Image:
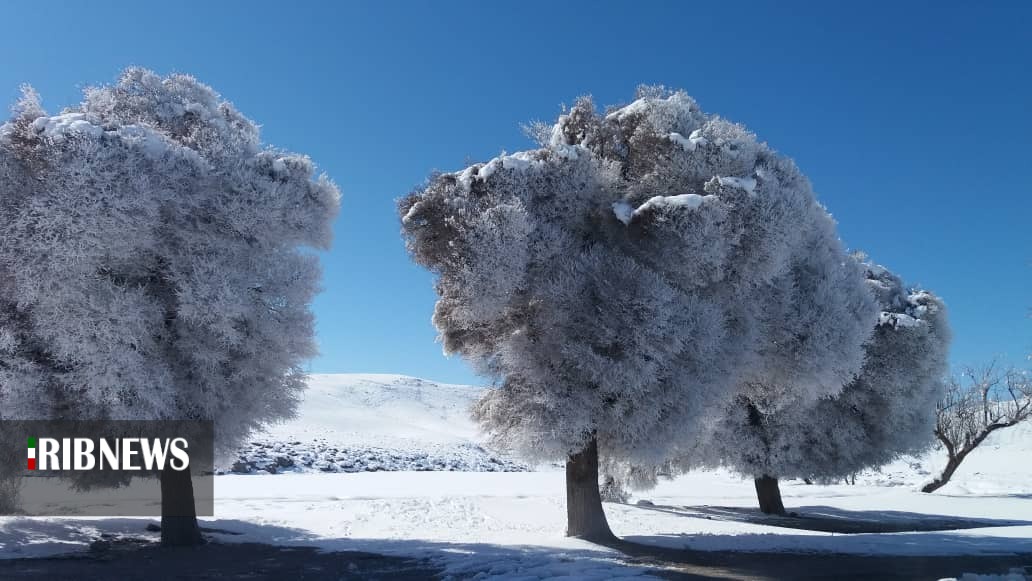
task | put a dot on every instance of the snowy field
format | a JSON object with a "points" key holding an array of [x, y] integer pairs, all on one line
{"points": [[511, 523], [371, 422]]}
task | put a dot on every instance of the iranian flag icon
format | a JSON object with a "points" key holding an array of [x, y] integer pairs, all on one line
{"points": [[32, 453]]}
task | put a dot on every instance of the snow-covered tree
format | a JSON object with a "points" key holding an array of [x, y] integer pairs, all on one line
{"points": [[154, 264], [974, 406], [621, 281], [773, 431]]}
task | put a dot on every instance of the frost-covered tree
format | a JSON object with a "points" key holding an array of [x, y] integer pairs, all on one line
{"points": [[974, 406], [153, 265], [621, 281], [773, 431]]}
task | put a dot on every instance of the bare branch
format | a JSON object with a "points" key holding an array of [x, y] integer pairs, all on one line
{"points": [[978, 403]]}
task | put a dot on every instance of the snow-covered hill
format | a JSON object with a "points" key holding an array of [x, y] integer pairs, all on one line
{"points": [[381, 422], [373, 422], [1001, 465]]}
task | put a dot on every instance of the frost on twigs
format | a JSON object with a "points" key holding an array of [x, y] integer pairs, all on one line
{"points": [[617, 282], [886, 411], [152, 261], [973, 406]]}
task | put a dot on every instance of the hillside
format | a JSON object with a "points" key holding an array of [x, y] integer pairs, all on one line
{"points": [[374, 422], [382, 422], [1001, 465]]}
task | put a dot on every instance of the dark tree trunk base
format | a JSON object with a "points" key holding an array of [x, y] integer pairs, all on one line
{"points": [[585, 518], [178, 514], [769, 495], [942, 479]]}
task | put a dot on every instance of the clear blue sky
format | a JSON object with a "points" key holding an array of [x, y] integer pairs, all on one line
{"points": [[912, 119]]}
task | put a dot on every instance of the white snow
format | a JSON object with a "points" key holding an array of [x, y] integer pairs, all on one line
{"points": [[412, 212], [623, 211], [384, 410], [682, 141], [747, 184], [568, 151], [518, 161], [359, 422], [149, 141], [897, 320], [557, 142], [510, 525], [877, 269], [521, 161], [637, 106], [58, 126], [556, 137], [691, 142], [688, 201], [507, 523], [465, 177], [998, 468]]}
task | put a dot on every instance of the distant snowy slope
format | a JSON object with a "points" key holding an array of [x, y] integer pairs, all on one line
{"points": [[1001, 465], [381, 409], [1018, 438], [372, 422]]}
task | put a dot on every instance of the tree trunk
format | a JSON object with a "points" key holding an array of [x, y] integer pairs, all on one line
{"points": [[951, 466], [178, 513], [956, 454], [769, 495], [585, 518]]}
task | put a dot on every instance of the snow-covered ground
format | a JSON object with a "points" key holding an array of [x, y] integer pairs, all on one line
{"points": [[511, 523], [1002, 465], [373, 422]]}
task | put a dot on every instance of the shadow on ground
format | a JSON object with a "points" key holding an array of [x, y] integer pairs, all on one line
{"points": [[144, 560], [126, 550], [245, 550], [873, 545], [836, 520], [691, 564]]}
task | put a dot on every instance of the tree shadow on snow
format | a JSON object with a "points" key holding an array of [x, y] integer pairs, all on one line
{"points": [[755, 558], [836, 520], [117, 549], [110, 549], [1022, 495], [916, 547]]}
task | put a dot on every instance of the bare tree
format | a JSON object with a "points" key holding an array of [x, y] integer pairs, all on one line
{"points": [[979, 403]]}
